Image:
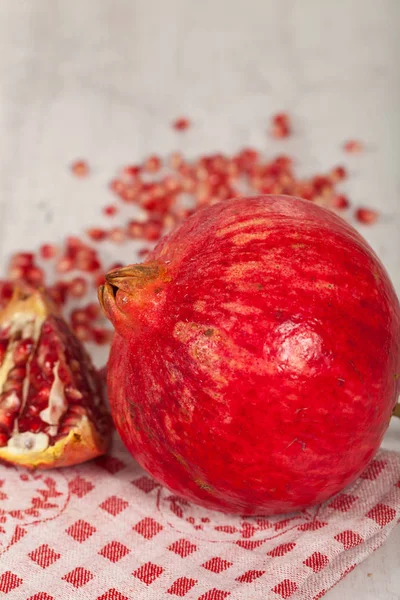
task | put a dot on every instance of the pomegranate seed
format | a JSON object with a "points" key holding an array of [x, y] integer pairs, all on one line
{"points": [[152, 164], [80, 168], [281, 126], [143, 252], [367, 216], [88, 264], [338, 174], [152, 230], [64, 265], [130, 193], [74, 243], [97, 235], [92, 311], [284, 160], [115, 266], [78, 287], [22, 259], [99, 280], [175, 160], [340, 202], [117, 186], [59, 292], [117, 235], [131, 171], [35, 275], [135, 229], [101, 335], [110, 210], [48, 251], [16, 273], [353, 147], [181, 124], [6, 292], [83, 332], [78, 316]]}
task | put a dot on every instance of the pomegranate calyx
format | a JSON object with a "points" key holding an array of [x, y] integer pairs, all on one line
{"points": [[133, 277], [396, 412], [132, 294]]}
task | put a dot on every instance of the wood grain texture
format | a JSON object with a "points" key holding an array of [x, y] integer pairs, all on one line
{"points": [[103, 79]]}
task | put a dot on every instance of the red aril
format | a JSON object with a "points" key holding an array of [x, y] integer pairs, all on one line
{"points": [[52, 411], [256, 360]]}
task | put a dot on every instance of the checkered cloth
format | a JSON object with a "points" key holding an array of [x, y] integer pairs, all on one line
{"points": [[106, 531]]}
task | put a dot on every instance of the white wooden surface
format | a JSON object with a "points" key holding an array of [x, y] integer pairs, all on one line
{"points": [[102, 79]]}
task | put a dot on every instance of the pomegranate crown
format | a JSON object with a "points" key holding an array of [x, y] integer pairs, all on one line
{"points": [[133, 295]]}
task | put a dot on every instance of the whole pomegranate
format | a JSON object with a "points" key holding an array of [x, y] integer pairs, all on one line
{"points": [[52, 411], [256, 360]]}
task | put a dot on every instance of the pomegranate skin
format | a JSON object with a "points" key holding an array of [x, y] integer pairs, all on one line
{"points": [[256, 360]]}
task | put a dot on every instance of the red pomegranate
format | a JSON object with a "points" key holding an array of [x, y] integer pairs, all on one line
{"points": [[256, 360], [52, 411]]}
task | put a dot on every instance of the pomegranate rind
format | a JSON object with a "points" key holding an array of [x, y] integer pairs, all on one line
{"points": [[83, 443]]}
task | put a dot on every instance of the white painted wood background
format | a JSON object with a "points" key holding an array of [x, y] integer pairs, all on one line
{"points": [[102, 79]]}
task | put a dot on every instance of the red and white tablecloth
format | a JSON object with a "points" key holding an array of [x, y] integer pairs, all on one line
{"points": [[106, 531]]}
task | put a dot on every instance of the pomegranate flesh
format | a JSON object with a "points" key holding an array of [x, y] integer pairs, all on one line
{"points": [[255, 364], [52, 411]]}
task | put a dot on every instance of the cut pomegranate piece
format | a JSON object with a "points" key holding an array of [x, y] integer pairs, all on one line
{"points": [[52, 411]]}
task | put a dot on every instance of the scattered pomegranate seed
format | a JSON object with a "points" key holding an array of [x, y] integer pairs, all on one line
{"points": [[338, 174], [152, 164], [97, 235], [131, 171], [115, 266], [281, 126], [175, 161], [64, 265], [92, 311], [110, 210], [99, 279], [181, 124], [48, 251], [74, 243], [165, 199], [34, 276], [117, 186], [101, 335], [22, 259], [83, 332], [340, 202], [367, 216], [135, 229], [353, 147], [78, 287], [117, 235], [80, 168], [59, 292]]}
